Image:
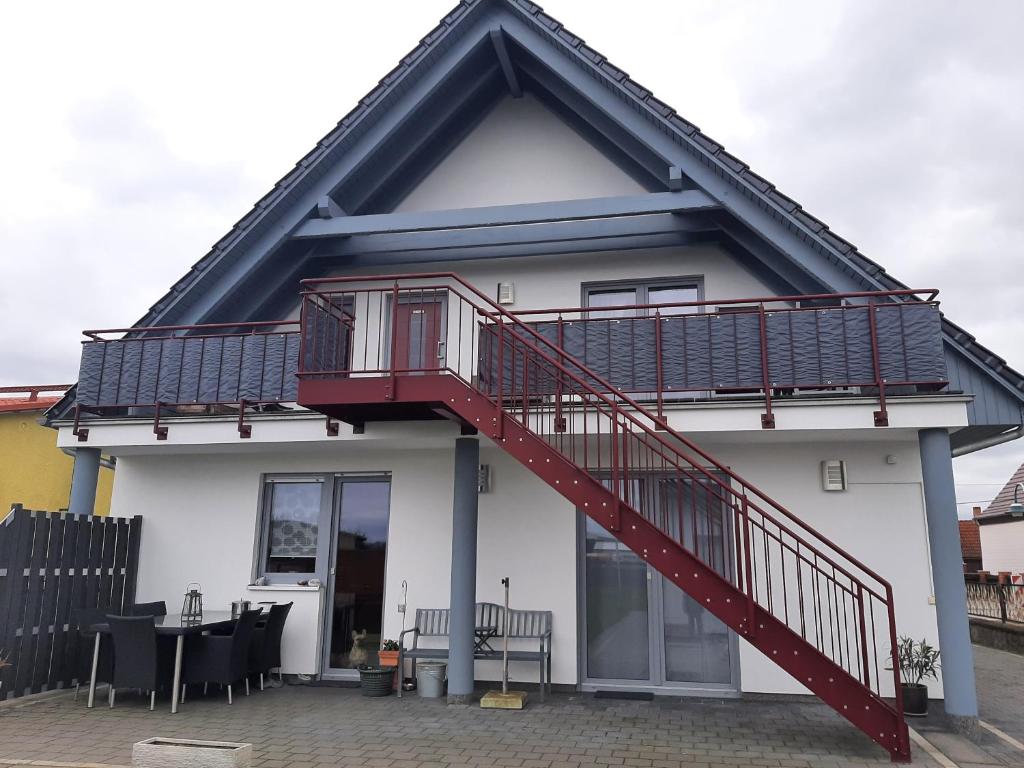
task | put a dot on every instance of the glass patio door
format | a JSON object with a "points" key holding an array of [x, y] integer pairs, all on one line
{"points": [[641, 632], [354, 612]]}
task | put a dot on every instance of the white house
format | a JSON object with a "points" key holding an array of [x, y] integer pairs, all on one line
{"points": [[1001, 527], [549, 330]]}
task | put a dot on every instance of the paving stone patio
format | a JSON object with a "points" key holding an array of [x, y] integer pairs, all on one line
{"points": [[315, 727]]}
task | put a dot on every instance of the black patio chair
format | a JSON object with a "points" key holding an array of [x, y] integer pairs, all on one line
{"points": [[222, 659], [140, 660], [157, 608], [82, 619], [265, 651]]}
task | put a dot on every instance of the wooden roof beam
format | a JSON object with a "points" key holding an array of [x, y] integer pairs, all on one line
{"points": [[501, 51], [687, 201]]}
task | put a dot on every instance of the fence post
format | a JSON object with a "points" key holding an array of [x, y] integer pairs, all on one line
{"points": [[1001, 592], [12, 601]]}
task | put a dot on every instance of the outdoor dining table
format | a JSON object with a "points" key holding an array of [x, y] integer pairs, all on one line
{"points": [[173, 625]]}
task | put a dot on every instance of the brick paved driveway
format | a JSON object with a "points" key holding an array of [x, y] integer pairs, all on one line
{"points": [[1000, 677], [307, 727]]}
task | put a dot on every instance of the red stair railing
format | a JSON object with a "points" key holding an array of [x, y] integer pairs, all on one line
{"points": [[777, 565]]}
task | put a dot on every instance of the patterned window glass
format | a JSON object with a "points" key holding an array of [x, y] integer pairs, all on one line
{"points": [[294, 526]]}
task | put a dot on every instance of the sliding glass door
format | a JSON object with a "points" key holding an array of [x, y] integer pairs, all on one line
{"points": [[640, 631], [355, 590]]}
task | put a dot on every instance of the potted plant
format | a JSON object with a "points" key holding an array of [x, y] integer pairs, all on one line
{"points": [[388, 655], [918, 661]]}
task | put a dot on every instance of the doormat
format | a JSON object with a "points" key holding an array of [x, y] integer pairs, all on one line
{"points": [[627, 695]]}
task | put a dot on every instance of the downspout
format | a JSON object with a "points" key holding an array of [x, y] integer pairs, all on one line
{"points": [[988, 442], [107, 463]]}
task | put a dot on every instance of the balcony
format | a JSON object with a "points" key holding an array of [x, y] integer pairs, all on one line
{"points": [[368, 333]]}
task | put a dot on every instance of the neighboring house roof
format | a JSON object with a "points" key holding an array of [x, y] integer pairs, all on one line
{"points": [[30, 397], [970, 540], [868, 274], [16, 404], [998, 510]]}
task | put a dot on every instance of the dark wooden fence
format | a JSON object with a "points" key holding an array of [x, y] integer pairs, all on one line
{"points": [[51, 564]]}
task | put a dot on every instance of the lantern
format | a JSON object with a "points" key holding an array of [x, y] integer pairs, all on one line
{"points": [[192, 608]]}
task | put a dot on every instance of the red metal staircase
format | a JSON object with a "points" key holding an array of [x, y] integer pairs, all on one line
{"points": [[432, 346]]}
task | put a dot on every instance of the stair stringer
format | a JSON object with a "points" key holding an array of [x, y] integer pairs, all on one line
{"points": [[772, 637]]}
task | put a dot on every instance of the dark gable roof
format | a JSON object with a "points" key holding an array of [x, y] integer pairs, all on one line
{"points": [[685, 133], [998, 509]]}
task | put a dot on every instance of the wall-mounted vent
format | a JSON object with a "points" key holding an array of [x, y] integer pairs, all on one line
{"points": [[483, 482], [833, 475], [506, 293]]}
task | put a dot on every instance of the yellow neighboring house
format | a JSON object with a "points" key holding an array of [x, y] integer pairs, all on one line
{"points": [[34, 472]]}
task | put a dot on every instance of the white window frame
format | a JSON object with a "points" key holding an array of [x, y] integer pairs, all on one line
{"points": [[642, 286]]}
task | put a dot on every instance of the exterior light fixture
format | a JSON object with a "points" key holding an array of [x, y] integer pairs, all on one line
{"points": [[1017, 509]]}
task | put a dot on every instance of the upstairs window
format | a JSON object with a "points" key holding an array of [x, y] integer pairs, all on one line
{"points": [[632, 292]]}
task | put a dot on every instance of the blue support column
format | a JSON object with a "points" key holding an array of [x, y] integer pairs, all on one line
{"points": [[947, 572], [463, 590], [84, 477]]}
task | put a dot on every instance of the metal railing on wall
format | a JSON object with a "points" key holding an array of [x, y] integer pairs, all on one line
{"points": [[992, 600]]}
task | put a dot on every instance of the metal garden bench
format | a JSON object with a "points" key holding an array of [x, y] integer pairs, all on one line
{"points": [[490, 620]]}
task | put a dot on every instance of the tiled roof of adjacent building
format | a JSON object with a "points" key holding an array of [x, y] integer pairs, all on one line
{"points": [[1000, 505], [13, 404], [970, 540], [29, 398]]}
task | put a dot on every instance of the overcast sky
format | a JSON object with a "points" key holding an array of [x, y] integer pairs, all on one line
{"points": [[134, 135]]}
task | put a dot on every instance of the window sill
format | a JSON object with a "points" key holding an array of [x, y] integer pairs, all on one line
{"points": [[282, 588]]}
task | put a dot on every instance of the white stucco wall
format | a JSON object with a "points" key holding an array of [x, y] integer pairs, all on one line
{"points": [[1002, 547], [543, 282], [199, 491], [519, 153], [880, 520], [201, 510], [200, 525]]}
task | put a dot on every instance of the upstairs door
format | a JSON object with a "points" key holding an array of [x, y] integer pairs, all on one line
{"points": [[419, 342]]}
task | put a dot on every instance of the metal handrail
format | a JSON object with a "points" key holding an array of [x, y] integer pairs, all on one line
{"points": [[94, 335], [497, 309], [929, 295], [623, 411]]}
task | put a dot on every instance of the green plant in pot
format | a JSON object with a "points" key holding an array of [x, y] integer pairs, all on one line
{"points": [[918, 661]]}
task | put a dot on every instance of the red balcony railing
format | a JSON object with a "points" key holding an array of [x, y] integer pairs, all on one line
{"points": [[768, 348]]}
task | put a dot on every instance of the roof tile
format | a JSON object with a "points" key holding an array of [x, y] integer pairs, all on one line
{"points": [[610, 69], [548, 21], [683, 124], [23, 404], [786, 202], [970, 540], [1002, 501], [735, 164], [835, 241], [707, 142], [811, 222], [593, 55]]}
